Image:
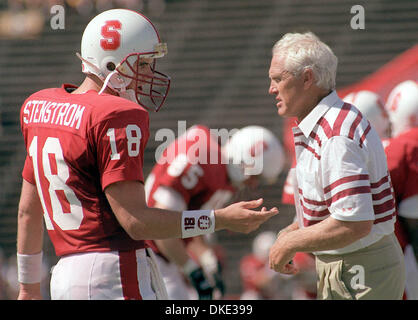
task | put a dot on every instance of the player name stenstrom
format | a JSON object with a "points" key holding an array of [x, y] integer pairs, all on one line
{"points": [[51, 112]]}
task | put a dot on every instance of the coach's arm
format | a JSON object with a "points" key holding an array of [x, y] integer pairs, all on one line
{"points": [[328, 234]]}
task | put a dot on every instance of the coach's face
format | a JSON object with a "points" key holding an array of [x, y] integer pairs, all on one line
{"points": [[289, 90]]}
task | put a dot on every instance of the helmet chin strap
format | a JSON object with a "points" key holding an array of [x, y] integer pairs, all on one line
{"points": [[106, 83], [128, 94]]}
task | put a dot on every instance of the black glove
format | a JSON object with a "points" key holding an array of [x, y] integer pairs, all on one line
{"points": [[201, 284], [219, 282]]}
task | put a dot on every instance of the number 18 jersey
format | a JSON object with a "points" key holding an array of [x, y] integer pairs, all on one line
{"points": [[77, 145]]}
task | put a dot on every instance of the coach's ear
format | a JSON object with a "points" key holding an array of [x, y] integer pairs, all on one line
{"points": [[308, 78]]}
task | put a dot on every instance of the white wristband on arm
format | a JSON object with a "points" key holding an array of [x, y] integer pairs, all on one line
{"points": [[29, 267], [197, 222]]}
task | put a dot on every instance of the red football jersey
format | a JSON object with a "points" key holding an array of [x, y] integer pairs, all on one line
{"points": [[192, 165], [77, 145], [250, 267], [402, 157]]}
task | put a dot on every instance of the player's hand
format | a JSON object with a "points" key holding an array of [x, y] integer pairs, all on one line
{"points": [[239, 217], [30, 291], [280, 257]]}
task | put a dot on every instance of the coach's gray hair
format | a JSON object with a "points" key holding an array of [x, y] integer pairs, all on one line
{"points": [[303, 51]]}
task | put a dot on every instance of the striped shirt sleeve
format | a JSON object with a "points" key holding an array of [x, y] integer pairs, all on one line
{"points": [[346, 180]]}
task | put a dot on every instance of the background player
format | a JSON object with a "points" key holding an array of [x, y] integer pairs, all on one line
{"points": [[402, 157], [398, 116], [199, 173], [259, 282], [83, 172]]}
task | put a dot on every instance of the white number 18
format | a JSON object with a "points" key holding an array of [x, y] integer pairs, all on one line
{"points": [[133, 141], [65, 220]]}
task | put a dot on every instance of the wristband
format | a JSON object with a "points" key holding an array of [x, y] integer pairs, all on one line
{"points": [[29, 267], [197, 222]]}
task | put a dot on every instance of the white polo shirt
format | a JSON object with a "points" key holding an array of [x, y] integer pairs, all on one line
{"points": [[342, 172]]}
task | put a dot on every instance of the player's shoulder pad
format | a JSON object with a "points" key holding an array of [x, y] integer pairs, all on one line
{"points": [[109, 106]]}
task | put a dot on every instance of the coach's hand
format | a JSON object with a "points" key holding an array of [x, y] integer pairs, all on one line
{"points": [[280, 257], [239, 217]]}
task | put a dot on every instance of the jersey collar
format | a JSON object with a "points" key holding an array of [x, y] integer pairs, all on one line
{"points": [[309, 122]]}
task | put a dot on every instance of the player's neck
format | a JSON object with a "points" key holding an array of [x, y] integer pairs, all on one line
{"points": [[89, 84]]}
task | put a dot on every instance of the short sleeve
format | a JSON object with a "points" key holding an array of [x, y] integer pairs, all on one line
{"points": [[27, 172], [346, 180], [119, 142]]}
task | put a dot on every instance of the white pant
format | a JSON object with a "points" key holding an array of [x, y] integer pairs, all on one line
{"points": [[174, 281], [102, 276]]}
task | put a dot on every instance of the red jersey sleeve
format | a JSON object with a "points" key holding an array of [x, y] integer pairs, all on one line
{"points": [[402, 159], [27, 172], [120, 142]]}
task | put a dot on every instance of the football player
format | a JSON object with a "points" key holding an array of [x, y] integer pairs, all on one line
{"points": [[259, 282], [402, 157], [84, 172], [199, 173]]}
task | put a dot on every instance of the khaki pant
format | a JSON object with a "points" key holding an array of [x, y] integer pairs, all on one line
{"points": [[376, 272]]}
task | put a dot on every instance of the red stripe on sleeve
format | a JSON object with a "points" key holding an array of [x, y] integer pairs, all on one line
{"points": [[314, 213], [363, 137], [325, 127], [354, 125], [384, 218], [382, 194], [345, 180], [340, 119], [314, 136], [384, 207], [304, 145], [380, 182], [311, 201], [348, 192]]}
